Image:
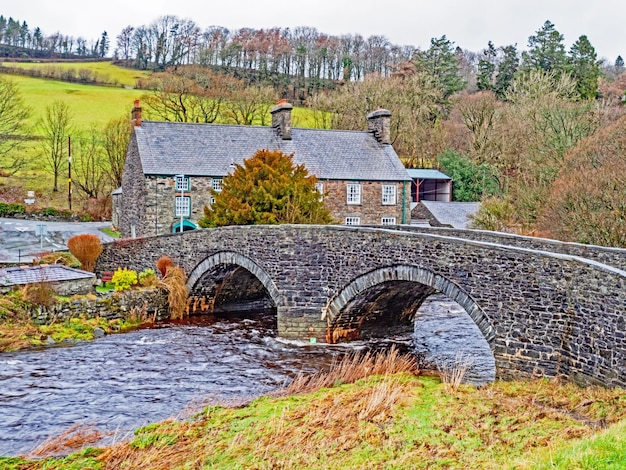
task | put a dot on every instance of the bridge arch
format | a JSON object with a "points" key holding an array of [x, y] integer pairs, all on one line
{"points": [[335, 307], [234, 259]]}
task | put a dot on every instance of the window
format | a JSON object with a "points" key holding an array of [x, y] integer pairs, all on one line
{"points": [[182, 183], [319, 187], [389, 195], [217, 184], [183, 206], [211, 200], [353, 220], [388, 221], [354, 194]]}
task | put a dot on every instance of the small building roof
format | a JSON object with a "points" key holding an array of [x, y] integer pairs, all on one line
{"points": [[455, 214], [426, 174], [169, 148], [43, 273]]}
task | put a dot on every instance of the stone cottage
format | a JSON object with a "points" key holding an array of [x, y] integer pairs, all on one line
{"points": [[171, 166]]}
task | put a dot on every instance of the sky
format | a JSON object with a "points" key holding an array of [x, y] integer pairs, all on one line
{"points": [[469, 24]]}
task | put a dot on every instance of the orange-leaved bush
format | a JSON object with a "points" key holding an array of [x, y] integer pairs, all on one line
{"points": [[86, 247], [163, 264]]}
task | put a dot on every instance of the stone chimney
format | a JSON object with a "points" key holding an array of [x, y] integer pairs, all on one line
{"points": [[379, 122], [281, 119], [135, 115]]}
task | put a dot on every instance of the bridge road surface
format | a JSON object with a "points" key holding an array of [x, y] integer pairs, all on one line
{"points": [[19, 242]]}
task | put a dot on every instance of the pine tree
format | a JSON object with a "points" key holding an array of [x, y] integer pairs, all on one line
{"points": [[104, 44], [507, 68], [487, 68], [585, 68], [546, 50], [267, 189], [441, 62], [619, 62]]}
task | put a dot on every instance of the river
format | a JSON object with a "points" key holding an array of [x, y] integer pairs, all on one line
{"points": [[120, 382]]}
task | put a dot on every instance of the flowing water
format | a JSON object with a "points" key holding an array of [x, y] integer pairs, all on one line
{"points": [[120, 382]]}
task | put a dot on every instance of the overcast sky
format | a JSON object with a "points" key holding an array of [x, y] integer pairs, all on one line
{"points": [[470, 24]]}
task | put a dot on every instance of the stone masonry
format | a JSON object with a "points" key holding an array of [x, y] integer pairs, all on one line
{"points": [[543, 313]]}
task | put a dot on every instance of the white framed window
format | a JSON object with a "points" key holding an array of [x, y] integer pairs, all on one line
{"points": [[211, 200], [353, 220], [388, 221], [389, 194], [353, 193], [217, 184], [182, 206], [182, 183], [319, 187]]}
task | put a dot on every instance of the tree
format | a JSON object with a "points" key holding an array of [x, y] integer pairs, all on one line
{"points": [[88, 174], [55, 127], [124, 43], [267, 189], [13, 129], [441, 62], [486, 69], [103, 48], [585, 68], [471, 181], [116, 135], [507, 68], [546, 50], [619, 62]]}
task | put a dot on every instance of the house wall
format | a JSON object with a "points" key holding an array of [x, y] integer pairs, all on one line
{"points": [[133, 193], [371, 210], [160, 200]]}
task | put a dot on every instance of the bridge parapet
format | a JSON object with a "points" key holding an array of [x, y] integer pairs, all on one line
{"points": [[612, 256]]}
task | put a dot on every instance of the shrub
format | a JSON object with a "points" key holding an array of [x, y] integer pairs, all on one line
{"points": [[147, 278], [50, 211], [163, 264], [39, 293], [124, 279], [86, 247], [61, 257], [11, 209], [175, 283]]}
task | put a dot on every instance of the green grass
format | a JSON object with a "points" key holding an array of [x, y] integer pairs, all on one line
{"points": [[87, 103], [106, 71], [397, 421]]}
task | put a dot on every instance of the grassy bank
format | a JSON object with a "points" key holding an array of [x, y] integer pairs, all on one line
{"points": [[395, 419]]}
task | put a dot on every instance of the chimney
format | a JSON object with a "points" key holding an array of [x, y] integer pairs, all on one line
{"points": [[135, 115], [281, 119], [379, 122]]}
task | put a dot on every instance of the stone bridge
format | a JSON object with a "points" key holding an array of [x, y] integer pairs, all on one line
{"points": [[546, 308]]}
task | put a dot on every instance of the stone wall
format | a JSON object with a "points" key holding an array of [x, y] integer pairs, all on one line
{"points": [[543, 314], [133, 193], [111, 305], [371, 210]]}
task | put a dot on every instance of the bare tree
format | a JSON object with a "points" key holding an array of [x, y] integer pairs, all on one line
{"points": [[56, 126], [89, 175], [116, 136], [13, 116]]}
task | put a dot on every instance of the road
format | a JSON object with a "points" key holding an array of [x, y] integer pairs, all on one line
{"points": [[20, 243]]}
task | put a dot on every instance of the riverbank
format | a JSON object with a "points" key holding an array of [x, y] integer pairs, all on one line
{"points": [[392, 420]]}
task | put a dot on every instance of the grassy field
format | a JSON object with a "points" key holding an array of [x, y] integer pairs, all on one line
{"points": [[106, 71], [390, 421]]}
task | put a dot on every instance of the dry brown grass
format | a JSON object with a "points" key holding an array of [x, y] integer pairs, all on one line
{"points": [[38, 293], [163, 264], [453, 372], [175, 283], [86, 247], [16, 325], [74, 438], [353, 367]]}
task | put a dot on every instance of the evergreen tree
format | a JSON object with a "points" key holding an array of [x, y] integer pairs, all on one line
{"points": [[487, 68], [585, 68], [103, 47], [267, 189], [441, 63], [546, 50], [619, 62], [507, 68]]}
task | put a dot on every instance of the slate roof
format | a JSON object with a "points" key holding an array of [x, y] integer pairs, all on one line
{"points": [[452, 213], [32, 274], [169, 148], [424, 174]]}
